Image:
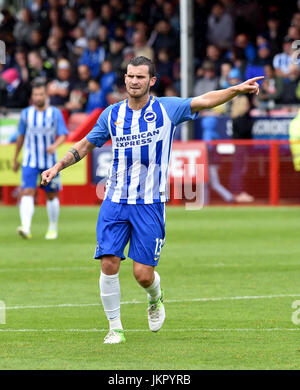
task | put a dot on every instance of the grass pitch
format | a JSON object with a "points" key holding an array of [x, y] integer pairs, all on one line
{"points": [[230, 277]]}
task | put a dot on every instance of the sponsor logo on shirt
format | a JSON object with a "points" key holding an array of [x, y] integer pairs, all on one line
{"points": [[150, 116]]}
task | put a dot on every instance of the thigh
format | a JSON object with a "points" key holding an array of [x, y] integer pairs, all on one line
{"points": [[148, 233], [29, 177], [113, 230]]}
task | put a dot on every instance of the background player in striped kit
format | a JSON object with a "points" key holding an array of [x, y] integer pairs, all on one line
{"points": [[141, 129], [41, 130]]}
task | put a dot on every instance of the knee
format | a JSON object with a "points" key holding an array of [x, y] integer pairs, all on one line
{"points": [[110, 265], [144, 277], [28, 192], [51, 195]]}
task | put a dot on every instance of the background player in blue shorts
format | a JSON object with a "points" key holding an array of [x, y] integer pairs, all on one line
{"points": [[41, 130], [141, 129]]}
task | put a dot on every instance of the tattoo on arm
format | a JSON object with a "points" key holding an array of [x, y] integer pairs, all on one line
{"points": [[68, 159], [75, 154]]}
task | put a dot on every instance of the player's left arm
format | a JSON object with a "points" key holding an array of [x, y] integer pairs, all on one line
{"points": [[215, 98]]}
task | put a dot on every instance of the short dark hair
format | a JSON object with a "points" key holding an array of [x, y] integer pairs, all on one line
{"points": [[38, 83], [141, 60]]}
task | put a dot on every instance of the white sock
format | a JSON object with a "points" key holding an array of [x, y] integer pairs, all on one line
{"points": [[53, 212], [26, 211], [110, 293], [154, 291]]}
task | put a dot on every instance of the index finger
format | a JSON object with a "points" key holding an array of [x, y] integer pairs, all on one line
{"points": [[257, 78]]}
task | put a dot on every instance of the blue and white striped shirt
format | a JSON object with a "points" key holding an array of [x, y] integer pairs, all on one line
{"points": [[282, 61], [40, 129], [141, 145]]}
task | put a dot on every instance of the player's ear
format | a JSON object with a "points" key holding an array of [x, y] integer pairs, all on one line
{"points": [[153, 81]]}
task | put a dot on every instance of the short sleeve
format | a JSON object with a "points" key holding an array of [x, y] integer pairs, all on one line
{"points": [[178, 109], [100, 133], [22, 123], [61, 125]]}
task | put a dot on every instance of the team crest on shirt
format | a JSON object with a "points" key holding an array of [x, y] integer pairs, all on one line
{"points": [[150, 116]]}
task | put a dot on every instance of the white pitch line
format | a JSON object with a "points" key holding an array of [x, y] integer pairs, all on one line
{"points": [[162, 330], [211, 299]]}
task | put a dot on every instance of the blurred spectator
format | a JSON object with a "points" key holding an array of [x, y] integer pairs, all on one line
{"points": [[128, 54], [143, 27], [291, 86], [171, 15], [103, 37], [130, 27], [209, 81], [118, 94], [242, 41], [256, 68], [16, 92], [24, 27], [274, 34], [164, 69], [84, 76], [120, 31], [219, 27], [93, 57], [282, 61], [165, 36], [120, 9], [80, 43], [59, 89], [38, 68], [156, 10], [37, 43], [79, 93], [107, 18], [226, 67], [242, 124], [71, 20], [170, 90], [21, 64], [296, 20], [7, 23], [39, 11], [238, 58], [213, 54], [96, 97], [248, 16], [55, 18], [234, 76], [90, 24], [108, 76], [140, 46], [55, 50], [293, 33], [271, 89], [115, 53]]}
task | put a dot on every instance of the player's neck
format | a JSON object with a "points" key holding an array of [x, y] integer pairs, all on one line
{"points": [[138, 103]]}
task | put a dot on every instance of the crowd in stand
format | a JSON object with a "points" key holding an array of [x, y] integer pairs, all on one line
{"points": [[81, 49]]}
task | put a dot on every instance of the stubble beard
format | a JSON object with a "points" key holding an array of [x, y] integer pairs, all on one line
{"points": [[143, 92]]}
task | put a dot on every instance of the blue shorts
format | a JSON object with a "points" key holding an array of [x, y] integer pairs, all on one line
{"points": [[143, 225], [30, 177]]}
